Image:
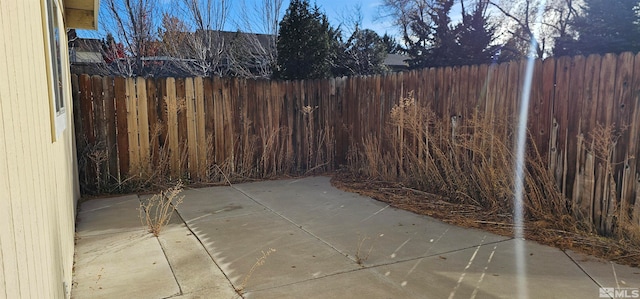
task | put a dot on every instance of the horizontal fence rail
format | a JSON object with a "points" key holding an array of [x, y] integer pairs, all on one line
{"points": [[201, 127]]}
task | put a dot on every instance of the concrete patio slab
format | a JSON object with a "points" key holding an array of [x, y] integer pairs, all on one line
{"points": [[122, 265], [236, 242], [346, 220], [489, 271], [115, 256], [206, 294], [109, 215], [196, 273], [216, 203], [328, 244], [360, 284], [411, 256], [605, 273]]}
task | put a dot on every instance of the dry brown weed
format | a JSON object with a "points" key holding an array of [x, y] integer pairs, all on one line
{"points": [[156, 211]]}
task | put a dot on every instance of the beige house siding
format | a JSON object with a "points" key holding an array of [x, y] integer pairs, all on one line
{"points": [[38, 181]]}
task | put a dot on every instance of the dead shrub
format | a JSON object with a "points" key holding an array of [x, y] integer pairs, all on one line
{"points": [[462, 159], [158, 169], [259, 262], [99, 156], [156, 211], [462, 171], [615, 215]]}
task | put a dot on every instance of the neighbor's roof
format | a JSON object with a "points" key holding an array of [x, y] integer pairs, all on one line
{"points": [[265, 40], [86, 44], [396, 60]]}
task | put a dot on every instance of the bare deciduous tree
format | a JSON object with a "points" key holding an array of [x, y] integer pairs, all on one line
{"points": [[192, 36], [134, 23], [522, 18], [412, 17], [520, 22], [364, 53], [351, 19], [254, 52]]}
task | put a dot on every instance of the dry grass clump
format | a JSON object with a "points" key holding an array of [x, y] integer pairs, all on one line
{"points": [[156, 171], [274, 157], [259, 262], [318, 144], [253, 148], [93, 167], [615, 216], [156, 211], [462, 160], [361, 254]]}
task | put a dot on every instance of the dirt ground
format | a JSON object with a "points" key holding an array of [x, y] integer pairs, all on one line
{"points": [[553, 233]]}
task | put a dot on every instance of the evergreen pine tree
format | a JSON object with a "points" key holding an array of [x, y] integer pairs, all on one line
{"points": [[605, 26], [391, 44], [440, 39], [474, 36], [364, 54], [441, 43], [304, 45]]}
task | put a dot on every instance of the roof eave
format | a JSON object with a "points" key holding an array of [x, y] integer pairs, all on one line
{"points": [[81, 14]]}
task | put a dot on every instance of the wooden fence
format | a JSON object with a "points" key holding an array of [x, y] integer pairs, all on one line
{"points": [[261, 128], [253, 128]]}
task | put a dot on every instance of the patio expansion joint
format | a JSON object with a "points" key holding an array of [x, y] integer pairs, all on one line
{"points": [[361, 268], [295, 224], [582, 269], [437, 254], [207, 251], [347, 255], [170, 267]]}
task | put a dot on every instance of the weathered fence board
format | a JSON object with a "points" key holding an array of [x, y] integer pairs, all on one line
{"points": [[98, 108], [575, 103], [172, 127], [632, 182], [120, 89], [201, 137], [143, 120], [132, 121], [622, 117], [192, 142], [110, 121], [560, 124], [153, 120], [181, 103], [86, 108]]}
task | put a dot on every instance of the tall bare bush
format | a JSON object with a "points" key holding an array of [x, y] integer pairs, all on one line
{"points": [[156, 211], [461, 159], [614, 215]]}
